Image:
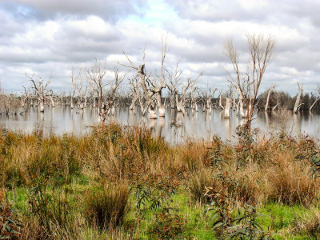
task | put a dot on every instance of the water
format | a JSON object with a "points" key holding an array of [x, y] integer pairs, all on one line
{"points": [[175, 127]]}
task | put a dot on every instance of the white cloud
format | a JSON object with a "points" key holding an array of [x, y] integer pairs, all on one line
{"points": [[54, 35]]}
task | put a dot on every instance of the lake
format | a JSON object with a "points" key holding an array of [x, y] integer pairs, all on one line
{"points": [[175, 127]]}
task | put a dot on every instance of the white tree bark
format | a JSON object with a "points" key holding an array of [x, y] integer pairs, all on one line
{"points": [[297, 104], [314, 103], [268, 97], [227, 108], [318, 89], [40, 91], [220, 100]]}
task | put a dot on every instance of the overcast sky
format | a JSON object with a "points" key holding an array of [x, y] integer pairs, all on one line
{"points": [[52, 36]]}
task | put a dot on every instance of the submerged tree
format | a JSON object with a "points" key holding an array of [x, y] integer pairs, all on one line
{"points": [[317, 97], [151, 85], [298, 104], [40, 90], [105, 89], [75, 78], [248, 82]]}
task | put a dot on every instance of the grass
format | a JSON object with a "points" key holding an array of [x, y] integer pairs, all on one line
{"points": [[121, 183]]}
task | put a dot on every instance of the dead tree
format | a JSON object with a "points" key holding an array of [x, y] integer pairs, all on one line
{"points": [[24, 97], [74, 79], [135, 93], [317, 98], [173, 83], [207, 96], [81, 91], [248, 83], [268, 97], [40, 90], [95, 76], [297, 104], [227, 108], [181, 102], [158, 85], [151, 85], [194, 96], [145, 100], [220, 100]]}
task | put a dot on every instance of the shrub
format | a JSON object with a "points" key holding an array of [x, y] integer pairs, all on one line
{"points": [[9, 224], [106, 207], [51, 210], [198, 183], [169, 225], [289, 182], [228, 225]]}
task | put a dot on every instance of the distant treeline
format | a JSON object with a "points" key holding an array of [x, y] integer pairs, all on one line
{"points": [[283, 100]]}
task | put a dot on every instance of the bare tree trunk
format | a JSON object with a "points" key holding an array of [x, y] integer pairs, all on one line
{"points": [[152, 113], [297, 105], [172, 99], [133, 103], [41, 105], [162, 110], [52, 101], [314, 103], [180, 105], [220, 101], [274, 108], [268, 97], [71, 102], [227, 108]]}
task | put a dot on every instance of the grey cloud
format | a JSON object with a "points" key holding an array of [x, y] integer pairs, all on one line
{"points": [[221, 10], [47, 9]]}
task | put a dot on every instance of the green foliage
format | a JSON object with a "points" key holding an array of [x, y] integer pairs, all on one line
{"points": [[216, 154], [227, 225], [9, 224], [246, 140], [152, 191], [307, 150], [169, 225]]}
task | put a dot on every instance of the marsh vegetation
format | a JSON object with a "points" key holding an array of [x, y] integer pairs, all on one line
{"points": [[121, 183]]}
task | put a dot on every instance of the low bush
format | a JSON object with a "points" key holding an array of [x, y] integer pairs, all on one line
{"points": [[107, 206], [288, 181], [10, 226]]}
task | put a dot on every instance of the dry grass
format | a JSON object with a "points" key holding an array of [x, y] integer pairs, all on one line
{"points": [[288, 181], [107, 207], [309, 224]]}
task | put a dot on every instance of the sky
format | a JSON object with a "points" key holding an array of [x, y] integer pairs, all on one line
{"points": [[50, 37]]}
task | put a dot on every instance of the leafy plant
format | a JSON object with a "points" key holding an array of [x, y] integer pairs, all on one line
{"points": [[151, 191], [169, 225], [228, 225], [9, 224]]}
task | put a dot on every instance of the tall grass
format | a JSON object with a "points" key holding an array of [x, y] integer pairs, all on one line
{"points": [[106, 207]]}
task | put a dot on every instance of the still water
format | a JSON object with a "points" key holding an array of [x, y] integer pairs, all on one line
{"points": [[175, 127]]}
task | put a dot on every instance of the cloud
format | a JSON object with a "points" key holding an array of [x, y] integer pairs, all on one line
{"points": [[49, 9], [54, 36]]}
